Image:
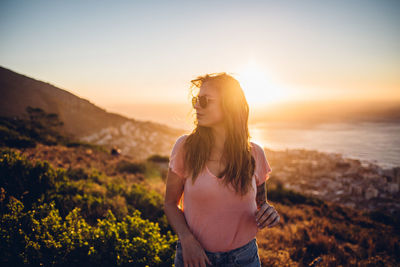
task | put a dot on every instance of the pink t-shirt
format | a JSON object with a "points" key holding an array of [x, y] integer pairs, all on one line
{"points": [[219, 218]]}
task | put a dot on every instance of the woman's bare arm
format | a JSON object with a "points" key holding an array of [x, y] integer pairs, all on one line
{"points": [[261, 196], [175, 215], [192, 252], [266, 214]]}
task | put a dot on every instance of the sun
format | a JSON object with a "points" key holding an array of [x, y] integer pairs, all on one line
{"points": [[259, 87]]}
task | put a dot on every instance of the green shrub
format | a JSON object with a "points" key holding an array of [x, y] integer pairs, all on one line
{"points": [[42, 237], [38, 126], [11, 138], [68, 190], [158, 159], [150, 204], [289, 197], [69, 143], [25, 180], [130, 167], [77, 174]]}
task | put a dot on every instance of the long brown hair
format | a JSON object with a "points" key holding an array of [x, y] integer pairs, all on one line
{"points": [[240, 163]]}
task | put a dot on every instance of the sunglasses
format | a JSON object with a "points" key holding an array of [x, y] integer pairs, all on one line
{"points": [[202, 100]]}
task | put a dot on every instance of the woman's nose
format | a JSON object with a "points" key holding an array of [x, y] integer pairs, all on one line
{"points": [[197, 105]]}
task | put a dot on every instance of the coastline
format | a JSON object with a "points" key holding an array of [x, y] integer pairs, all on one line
{"points": [[375, 142], [328, 176], [332, 177]]}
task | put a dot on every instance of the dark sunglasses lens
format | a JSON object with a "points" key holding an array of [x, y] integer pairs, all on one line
{"points": [[203, 101]]}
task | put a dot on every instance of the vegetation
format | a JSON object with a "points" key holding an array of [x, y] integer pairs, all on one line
{"points": [[131, 167], [40, 127], [85, 145], [93, 193], [37, 126], [75, 216], [312, 230], [41, 236], [61, 217], [158, 159], [289, 197]]}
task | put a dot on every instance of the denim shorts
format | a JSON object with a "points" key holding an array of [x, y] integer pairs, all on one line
{"points": [[246, 255]]}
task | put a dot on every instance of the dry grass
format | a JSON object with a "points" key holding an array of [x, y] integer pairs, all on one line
{"points": [[332, 234], [303, 236], [80, 157]]}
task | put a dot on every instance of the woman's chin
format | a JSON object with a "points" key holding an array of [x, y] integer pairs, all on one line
{"points": [[201, 123]]}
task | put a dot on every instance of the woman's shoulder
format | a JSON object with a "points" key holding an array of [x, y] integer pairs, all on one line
{"points": [[256, 147], [181, 138], [180, 141]]}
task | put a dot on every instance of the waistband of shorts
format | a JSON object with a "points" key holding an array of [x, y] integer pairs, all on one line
{"points": [[244, 247]]}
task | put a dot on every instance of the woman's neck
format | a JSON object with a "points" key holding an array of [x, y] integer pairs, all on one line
{"points": [[219, 138], [217, 150]]}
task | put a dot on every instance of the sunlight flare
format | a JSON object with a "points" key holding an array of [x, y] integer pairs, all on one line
{"points": [[259, 87]]}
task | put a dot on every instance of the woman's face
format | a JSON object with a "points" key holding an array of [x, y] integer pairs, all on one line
{"points": [[212, 115]]}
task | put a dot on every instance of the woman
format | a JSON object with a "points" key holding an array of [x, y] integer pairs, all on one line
{"points": [[221, 175]]}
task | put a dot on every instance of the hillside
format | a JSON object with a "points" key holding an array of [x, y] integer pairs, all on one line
{"points": [[82, 119], [310, 229], [68, 202]]}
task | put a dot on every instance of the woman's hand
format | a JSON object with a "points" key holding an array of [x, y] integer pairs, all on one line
{"points": [[193, 253], [267, 216]]}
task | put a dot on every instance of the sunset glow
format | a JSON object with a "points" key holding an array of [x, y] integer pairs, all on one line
{"points": [[259, 86], [137, 58]]}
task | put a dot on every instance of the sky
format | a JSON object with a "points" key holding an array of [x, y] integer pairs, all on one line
{"points": [[122, 53]]}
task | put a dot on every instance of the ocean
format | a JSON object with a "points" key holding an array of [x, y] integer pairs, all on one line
{"points": [[376, 142]]}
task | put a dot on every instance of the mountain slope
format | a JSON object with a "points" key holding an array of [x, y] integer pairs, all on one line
{"points": [[82, 119]]}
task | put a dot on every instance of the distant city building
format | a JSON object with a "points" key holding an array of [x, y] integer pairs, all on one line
{"points": [[356, 190], [371, 193], [397, 175], [393, 188]]}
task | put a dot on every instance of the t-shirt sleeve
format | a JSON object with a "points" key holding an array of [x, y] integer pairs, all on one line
{"points": [[263, 168], [176, 160]]}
